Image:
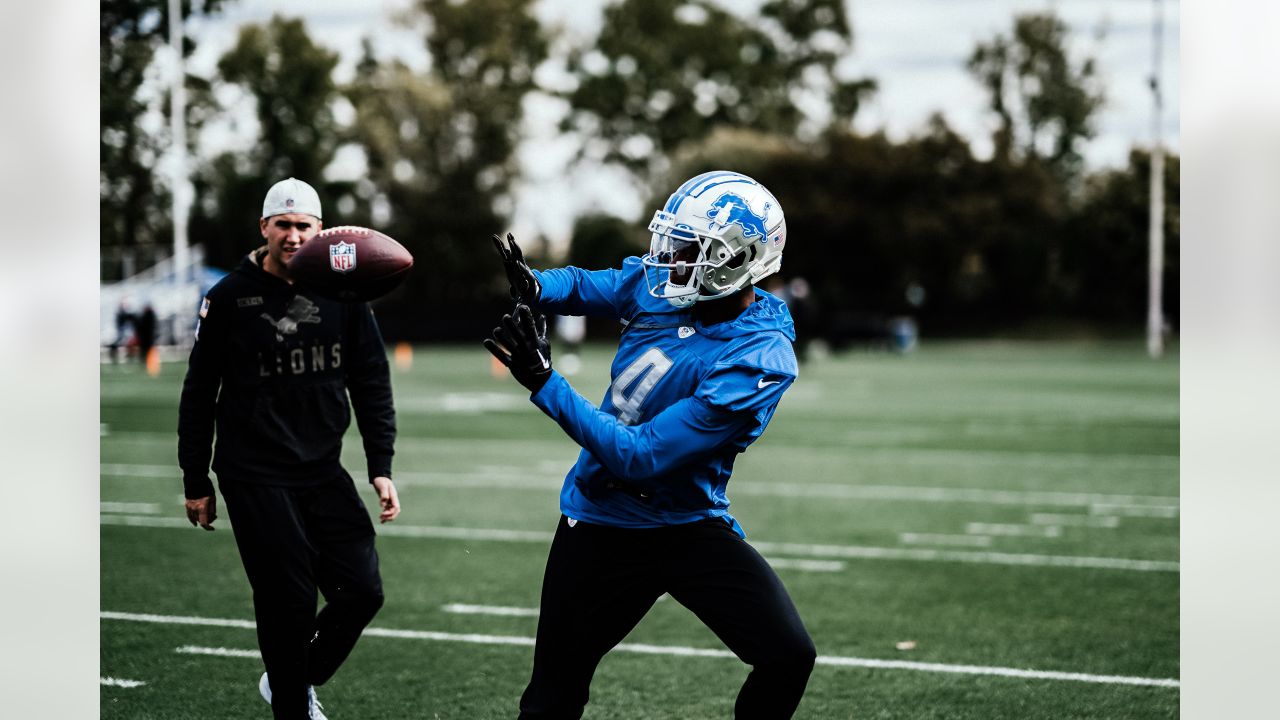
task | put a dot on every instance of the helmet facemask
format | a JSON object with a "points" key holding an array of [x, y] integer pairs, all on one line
{"points": [[719, 232], [676, 260]]}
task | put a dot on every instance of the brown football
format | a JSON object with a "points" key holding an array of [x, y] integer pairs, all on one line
{"points": [[350, 263]]}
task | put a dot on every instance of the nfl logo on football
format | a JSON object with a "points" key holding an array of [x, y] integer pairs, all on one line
{"points": [[342, 257]]}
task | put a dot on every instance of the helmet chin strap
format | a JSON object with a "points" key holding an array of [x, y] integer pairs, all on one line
{"points": [[680, 300]]}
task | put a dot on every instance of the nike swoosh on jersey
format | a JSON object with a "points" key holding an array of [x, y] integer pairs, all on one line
{"points": [[762, 384]]}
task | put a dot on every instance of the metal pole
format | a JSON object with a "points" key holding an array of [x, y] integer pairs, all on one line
{"points": [[1155, 235], [178, 132]]}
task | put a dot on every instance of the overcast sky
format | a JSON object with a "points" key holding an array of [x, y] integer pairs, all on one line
{"points": [[915, 49]]}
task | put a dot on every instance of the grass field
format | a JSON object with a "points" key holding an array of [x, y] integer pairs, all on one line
{"points": [[990, 506]]}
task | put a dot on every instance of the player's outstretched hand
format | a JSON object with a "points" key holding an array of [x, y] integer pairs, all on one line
{"points": [[521, 344], [525, 288]]}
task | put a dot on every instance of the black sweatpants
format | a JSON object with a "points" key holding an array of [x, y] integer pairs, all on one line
{"points": [[294, 541], [600, 581]]}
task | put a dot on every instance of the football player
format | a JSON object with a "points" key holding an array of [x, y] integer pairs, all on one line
{"points": [[703, 361]]}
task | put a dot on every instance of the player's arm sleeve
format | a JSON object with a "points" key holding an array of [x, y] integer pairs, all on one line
{"points": [[369, 384], [679, 434], [574, 291], [197, 409]]}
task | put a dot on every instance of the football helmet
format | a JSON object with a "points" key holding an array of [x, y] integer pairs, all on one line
{"points": [[717, 232]]}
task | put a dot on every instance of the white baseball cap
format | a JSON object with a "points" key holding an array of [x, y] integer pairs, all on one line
{"points": [[291, 196]]}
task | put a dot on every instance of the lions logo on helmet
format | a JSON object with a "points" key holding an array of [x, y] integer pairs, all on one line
{"points": [[717, 232], [730, 209]]}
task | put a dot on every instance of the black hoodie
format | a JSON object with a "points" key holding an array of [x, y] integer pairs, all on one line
{"points": [[285, 360]]}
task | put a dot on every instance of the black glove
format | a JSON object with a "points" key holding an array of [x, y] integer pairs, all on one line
{"points": [[525, 288], [521, 344]]}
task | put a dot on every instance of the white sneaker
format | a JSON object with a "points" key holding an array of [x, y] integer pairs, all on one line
{"points": [[314, 708], [313, 705]]}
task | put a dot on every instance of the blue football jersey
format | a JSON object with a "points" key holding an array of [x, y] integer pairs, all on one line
{"points": [[683, 401]]}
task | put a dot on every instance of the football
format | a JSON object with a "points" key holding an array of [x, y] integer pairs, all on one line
{"points": [[350, 263]]}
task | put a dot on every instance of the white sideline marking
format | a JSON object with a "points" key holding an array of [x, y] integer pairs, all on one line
{"points": [[463, 609], [514, 478], [117, 682], [219, 651], [127, 507], [1014, 530], [1096, 521], [768, 548], [914, 538], [1133, 510], [670, 650]]}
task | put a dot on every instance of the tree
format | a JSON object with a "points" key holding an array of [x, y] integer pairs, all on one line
{"points": [[1105, 255], [290, 79], [604, 241], [868, 218], [1044, 101], [667, 72], [134, 204], [439, 153]]}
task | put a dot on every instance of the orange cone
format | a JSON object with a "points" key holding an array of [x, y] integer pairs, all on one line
{"points": [[404, 356], [153, 362], [496, 368]]}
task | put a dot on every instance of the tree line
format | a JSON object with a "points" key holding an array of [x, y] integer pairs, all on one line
{"points": [[920, 227]]}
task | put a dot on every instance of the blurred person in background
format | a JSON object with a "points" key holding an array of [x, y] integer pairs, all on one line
{"points": [[703, 361], [145, 329], [124, 330], [272, 367]]}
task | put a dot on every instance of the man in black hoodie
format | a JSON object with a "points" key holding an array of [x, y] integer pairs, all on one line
{"points": [[272, 368]]}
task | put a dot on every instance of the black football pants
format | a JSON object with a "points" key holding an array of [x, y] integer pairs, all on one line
{"points": [[293, 541], [600, 581]]}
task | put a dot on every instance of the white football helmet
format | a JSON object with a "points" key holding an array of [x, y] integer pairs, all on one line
{"points": [[717, 232]]}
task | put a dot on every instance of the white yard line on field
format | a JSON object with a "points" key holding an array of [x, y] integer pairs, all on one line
{"points": [[177, 620], [127, 508], [915, 538], [219, 651], [117, 470], [768, 548], [464, 609], [514, 478], [967, 556], [1013, 530], [953, 457], [809, 565], [117, 682], [668, 650], [915, 493], [999, 671], [1146, 511], [1094, 521]]}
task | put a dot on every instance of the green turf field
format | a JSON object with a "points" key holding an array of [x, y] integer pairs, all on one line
{"points": [[940, 519]]}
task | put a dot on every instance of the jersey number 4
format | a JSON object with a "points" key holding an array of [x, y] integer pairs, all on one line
{"points": [[652, 365]]}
